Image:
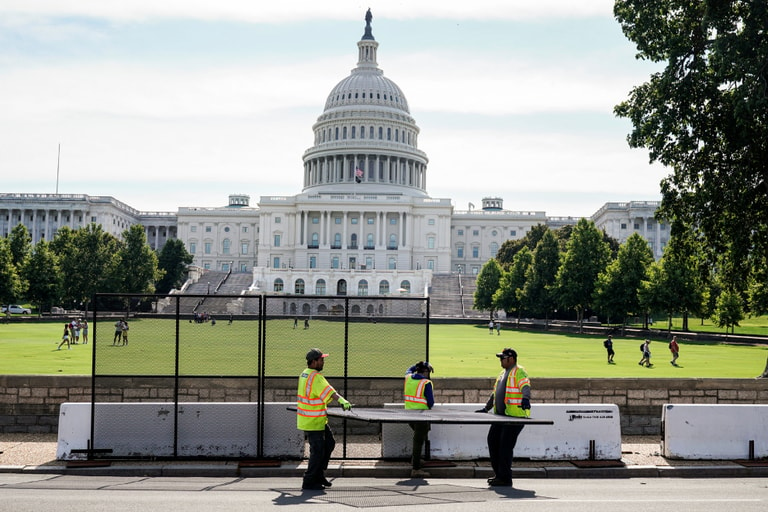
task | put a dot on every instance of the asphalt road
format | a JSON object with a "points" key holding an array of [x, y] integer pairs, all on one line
{"points": [[67, 493]]}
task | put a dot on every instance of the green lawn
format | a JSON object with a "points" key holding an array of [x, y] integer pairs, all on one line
{"points": [[379, 349]]}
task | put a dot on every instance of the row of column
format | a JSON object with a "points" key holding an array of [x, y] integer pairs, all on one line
{"points": [[40, 225], [303, 223], [376, 169]]}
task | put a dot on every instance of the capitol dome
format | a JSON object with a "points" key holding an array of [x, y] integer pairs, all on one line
{"points": [[366, 140]]}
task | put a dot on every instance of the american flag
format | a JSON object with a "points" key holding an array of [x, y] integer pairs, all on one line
{"points": [[358, 174]]}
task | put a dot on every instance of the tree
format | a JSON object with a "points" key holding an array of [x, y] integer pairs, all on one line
{"points": [[88, 258], [10, 282], [173, 262], [538, 294], [510, 248], [21, 244], [705, 116], [618, 287], [507, 297], [43, 276], [729, 311], [487, 283], [585, 257], [137, 266]]}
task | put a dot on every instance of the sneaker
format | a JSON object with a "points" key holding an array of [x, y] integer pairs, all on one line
{"points": [[497, 482], [419, 473], [325, 483]]}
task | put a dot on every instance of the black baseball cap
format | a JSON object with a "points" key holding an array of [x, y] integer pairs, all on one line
{"points": [[507, 352]]}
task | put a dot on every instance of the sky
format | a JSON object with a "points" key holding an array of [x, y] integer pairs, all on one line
{"points": [[176, 103]]}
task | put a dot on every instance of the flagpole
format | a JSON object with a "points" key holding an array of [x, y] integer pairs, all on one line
{"points": [[58, 162]]}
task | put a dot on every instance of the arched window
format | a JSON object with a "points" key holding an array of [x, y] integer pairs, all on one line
{"points": [[405, 286], [315, 240], [353, 241], [494, 248], [354, 132], [336, 241], [320, 287], [341, 287], [384, 287], [362, 287], [225, 244], [362, 132], [278, 285], [369, 241], [299, 287], [392, 241]]}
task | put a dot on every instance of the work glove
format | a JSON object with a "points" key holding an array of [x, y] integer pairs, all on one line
{"points": [[483, 410], [345, 403], [526, 404]]}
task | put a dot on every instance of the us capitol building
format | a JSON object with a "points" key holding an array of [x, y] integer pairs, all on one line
{"points": [[363, 224]]}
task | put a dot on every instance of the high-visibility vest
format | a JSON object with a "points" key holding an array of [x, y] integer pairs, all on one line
{"points": [[513, 396], [312, 398], [413, 393]]}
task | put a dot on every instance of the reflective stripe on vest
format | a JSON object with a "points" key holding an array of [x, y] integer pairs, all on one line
{"points": [[513, 396], [312, 396], [413, 393]]}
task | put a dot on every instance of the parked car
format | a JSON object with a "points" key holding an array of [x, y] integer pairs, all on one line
{"points": [[16, 309]]}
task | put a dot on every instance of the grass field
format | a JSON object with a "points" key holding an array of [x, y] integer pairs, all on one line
{"points": [[381, 349]]}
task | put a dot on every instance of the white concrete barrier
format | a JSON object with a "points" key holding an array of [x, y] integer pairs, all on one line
{"points": [[577, 430], [205, 429], [714, 431]]}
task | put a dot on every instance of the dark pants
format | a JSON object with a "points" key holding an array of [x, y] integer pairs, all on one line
{"points": [[321, 445], [420, 432], [501, 446]]}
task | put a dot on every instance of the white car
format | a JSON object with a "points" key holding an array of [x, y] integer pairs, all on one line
{"points": [[15, 308]]}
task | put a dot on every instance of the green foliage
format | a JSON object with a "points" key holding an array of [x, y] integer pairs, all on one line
{"points": [[510, 248], [507, 297], [538, 293], [21, 245], [487, 283], [43, 276], [585, 257], [617, 289], [729, 310], [10, 282], [137, 264], [173, 262], [705, 117]]}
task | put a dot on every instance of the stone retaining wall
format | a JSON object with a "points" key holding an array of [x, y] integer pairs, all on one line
{"points": [[30, 403]]}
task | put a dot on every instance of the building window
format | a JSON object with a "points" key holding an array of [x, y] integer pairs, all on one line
{"points": [[207, 229], [461, 232], [243, 267], [277, 241], [245, 229], [460, 251], [244, 248], [315, 240], [405, 286], [226, 229], [475, 232], [431, 264], [335, 262], [313, 262], [193, 229], [430, 242], [494, 233], [637, 226], [353, 220], [494, 248], [225, 246], [512, 232], [192, 248], [278, 220], [431, 222], [662, 226], [320, 287], [278, 285], [299, 287], [276, 262], [392, 241], [336, 241], [369, 220], [623, 225], [362, 287], [225, 267], [475, 252], [207, 266], [207, 248], [392, 263], [337, 220], [384, 287], [393, 221], [315, 220]]}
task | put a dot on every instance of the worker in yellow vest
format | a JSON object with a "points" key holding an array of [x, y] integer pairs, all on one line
{"points": [[418, 394], [312, 398], [511, 396]]}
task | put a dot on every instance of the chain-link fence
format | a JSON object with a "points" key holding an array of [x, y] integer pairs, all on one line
{"points": [[190, 349]]}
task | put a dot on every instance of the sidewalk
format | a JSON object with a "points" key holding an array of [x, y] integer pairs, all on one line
{"points": [[641, 457]]}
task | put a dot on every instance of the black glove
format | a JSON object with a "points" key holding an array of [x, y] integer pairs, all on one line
{"points": [[483, 410], [526, 404]]}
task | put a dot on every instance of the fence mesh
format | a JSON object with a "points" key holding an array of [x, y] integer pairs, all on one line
{"points": [[185, 349]]}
